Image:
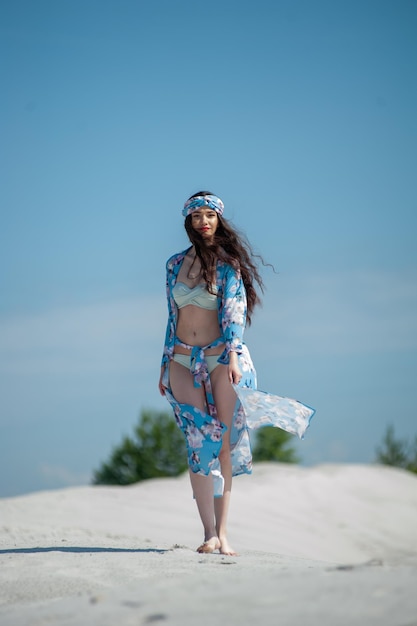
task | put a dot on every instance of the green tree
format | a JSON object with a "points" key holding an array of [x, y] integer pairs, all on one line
{"points": [[156, 449], [397, 452], [274, 444]]}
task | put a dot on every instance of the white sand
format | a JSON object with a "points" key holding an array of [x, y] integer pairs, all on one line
{"points": [[327, 545]]}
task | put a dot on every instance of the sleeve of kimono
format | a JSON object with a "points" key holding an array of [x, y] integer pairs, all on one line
{"points": [[170, 330], [233, 316]]}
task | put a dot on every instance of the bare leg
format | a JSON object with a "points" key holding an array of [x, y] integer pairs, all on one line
{"points": [[182, 385], [203, 493], [225, 399]]}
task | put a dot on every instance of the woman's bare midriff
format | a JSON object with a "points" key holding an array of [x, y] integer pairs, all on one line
{"points": [[198, 327]]}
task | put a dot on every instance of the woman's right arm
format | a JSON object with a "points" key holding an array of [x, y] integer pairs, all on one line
{"points": [[161, 387], [170, 329]]}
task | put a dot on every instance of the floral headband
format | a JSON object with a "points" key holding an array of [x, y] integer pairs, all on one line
{"points": [[213, 202]]}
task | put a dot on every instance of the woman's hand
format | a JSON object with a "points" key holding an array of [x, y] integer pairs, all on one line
{"points": [[234, 372], [161, 387]]}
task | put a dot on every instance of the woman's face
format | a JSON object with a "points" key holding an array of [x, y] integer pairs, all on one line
{"points": [[205, 221]]}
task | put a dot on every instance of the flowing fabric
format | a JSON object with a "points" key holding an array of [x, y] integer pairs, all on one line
{"points": [[203, 431], [266, 409]]}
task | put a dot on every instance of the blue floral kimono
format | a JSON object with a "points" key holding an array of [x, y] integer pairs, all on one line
{"points": [[203, 430]]}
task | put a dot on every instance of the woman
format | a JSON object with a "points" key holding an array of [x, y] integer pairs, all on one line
{"points": [[211, 295]]}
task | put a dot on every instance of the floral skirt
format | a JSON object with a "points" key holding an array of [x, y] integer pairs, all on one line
{"points": [[203, 431]]}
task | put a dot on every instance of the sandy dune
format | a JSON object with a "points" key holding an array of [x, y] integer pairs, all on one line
{"points": [[334, 544]]}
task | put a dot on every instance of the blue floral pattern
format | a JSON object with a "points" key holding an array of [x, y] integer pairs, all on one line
{"points": [[213, 202], [203, 431]]}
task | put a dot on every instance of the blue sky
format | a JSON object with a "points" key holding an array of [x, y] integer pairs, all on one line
{"points": [[301, 115]]}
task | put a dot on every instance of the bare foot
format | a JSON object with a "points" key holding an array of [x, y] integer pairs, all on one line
{"points": [[225, 548], [209, 546]]}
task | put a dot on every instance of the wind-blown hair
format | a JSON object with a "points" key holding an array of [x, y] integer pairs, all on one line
{"points": [[231, 247]]}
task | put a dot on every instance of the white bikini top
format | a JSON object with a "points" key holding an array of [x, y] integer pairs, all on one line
{"points": [[198, 295]]}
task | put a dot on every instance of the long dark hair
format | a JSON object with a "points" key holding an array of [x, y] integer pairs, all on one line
{"points": [[232, 247]]}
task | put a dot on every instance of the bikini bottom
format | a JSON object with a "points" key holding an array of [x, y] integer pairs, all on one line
{"points": [[212, 360]]}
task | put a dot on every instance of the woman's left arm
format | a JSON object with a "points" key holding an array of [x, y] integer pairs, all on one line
{"points": [[233, 321], [233, 369]]}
